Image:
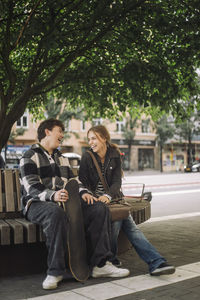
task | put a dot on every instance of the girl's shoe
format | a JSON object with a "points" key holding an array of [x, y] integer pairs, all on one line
{"points": [[163, 269]]}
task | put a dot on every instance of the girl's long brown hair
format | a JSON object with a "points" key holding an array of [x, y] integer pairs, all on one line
{"points": [[102, 131]]}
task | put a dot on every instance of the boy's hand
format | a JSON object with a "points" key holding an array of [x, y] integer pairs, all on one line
{"points": [[61, 195]]}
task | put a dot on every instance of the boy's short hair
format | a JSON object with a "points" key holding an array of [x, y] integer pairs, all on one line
{"points": [[48, 124]]}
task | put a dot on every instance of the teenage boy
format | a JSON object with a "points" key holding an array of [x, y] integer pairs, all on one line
{"points": [[44, 175]]}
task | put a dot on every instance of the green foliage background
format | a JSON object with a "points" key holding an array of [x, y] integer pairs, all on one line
{"points": [[106, 56]]}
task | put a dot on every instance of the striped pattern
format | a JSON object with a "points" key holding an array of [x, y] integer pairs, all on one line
{"points": [[42, 174], [100, 189]]}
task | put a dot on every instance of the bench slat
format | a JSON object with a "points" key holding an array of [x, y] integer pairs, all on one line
{"points": [[17, 182], [17, 231], [1, 196], [4, 233], [148, 212], [29, 229], [41, 235], [9, 190], [10, 215]]}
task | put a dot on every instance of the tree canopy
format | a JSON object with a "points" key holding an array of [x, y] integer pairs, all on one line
{"points": [[106, 55]]}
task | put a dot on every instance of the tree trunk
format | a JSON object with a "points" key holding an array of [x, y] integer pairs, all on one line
{"points": [[189, 158], [4, 133], [9, 115], [161, 162], [129, 157]]}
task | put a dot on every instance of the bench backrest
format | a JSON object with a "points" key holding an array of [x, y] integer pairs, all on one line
{"points": [[9, 192], [10, 204]]}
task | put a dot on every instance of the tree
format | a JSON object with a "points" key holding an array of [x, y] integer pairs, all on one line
{"points": [[129, 134], [187, 131], [16, 133], [189, 127], [104, 54], [165, 130], [56, 109]]}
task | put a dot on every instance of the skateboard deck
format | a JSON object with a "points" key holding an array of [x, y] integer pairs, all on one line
{"points": [[76, 235]]}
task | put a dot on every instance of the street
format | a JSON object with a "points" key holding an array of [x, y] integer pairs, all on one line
{"points": [[172, 193]]}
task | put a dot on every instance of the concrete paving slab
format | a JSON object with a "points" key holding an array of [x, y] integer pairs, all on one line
{"points": [[179, 275], [103, 291], [195, 268], [140, 283], [61, 296]]}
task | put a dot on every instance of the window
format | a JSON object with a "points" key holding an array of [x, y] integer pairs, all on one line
{"points": [[67, 125], [83, 125], [97, 121], [145, 126], [120, 125], [23, 121]]}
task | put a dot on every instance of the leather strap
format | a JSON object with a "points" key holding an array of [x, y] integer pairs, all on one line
{"points": [[99, 171]]}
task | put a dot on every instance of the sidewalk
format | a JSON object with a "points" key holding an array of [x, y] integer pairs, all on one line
{"points": [[142, 173], [176, 239], [149, 172]]}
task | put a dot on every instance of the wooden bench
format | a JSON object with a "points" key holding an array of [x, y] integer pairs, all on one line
{"points": [[15, 229]]}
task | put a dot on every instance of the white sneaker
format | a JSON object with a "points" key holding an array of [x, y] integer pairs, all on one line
{"points": [[51, 282], [109, 270]]}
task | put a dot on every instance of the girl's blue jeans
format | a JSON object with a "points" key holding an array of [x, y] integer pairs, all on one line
{"points": [[143, 247]]}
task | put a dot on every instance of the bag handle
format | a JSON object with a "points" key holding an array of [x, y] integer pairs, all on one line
{"points": [[98, 171]]}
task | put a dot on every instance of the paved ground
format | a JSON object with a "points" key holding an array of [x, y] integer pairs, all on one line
{"points": [[176, 239], [148, 172]]}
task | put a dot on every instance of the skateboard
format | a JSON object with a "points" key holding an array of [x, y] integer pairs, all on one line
{"points": [[76, 235]]}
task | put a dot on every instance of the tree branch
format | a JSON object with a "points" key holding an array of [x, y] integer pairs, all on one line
{"points": [[80, 51], [26, 24], [2, 101], [71, 79], [1, 92], [8, 24], [33, 73], [10, 72]]}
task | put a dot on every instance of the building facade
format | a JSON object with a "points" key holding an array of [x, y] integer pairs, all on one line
{"points": [[142, 150]]}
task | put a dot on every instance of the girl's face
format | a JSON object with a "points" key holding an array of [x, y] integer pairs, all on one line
{"points": [[96, 142]]}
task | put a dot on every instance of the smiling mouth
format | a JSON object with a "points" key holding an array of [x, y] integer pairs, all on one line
{"points": [[94, 148]]}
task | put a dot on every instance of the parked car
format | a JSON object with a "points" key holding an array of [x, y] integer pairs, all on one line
{"points": [[193, 167], [74, 160], [12, 163], [196, 167]]}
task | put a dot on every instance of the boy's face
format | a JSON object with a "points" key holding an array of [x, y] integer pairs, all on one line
{"points": [[54, 137]]}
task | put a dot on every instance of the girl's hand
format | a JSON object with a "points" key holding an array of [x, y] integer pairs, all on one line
{"points": [[89, 198], [104, 199]]}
